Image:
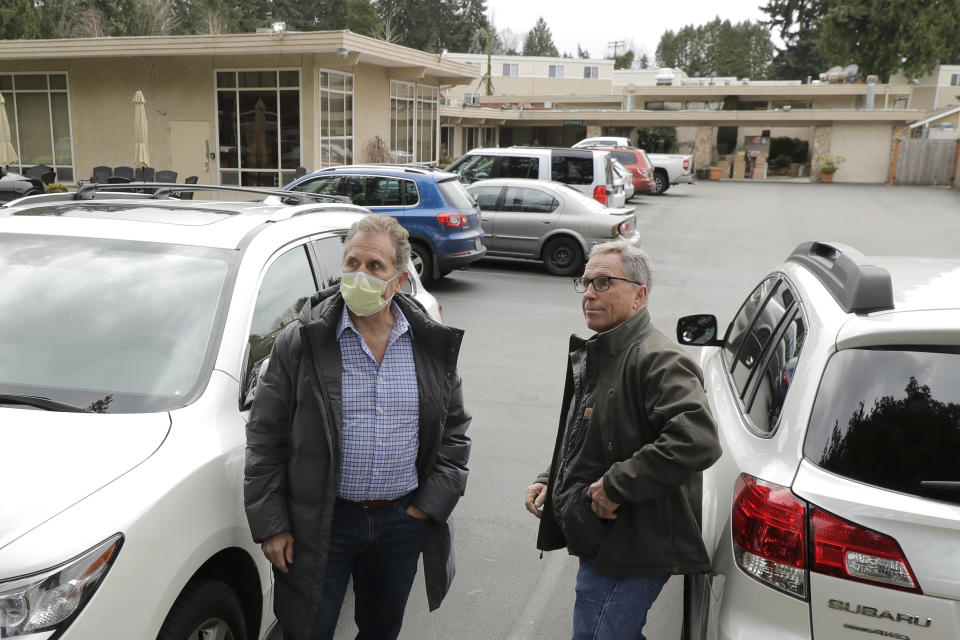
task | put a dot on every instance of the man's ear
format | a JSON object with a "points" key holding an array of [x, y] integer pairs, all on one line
{"points": [[640, 299]]}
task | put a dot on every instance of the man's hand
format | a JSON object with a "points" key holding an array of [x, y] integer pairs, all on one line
{"points": [[603, 506], [279, 550], [413, 512], [536, 494]]}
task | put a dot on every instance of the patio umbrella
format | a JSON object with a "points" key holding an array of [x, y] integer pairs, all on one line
{"points": [[7, 153], [260, 150], [141, 155]]}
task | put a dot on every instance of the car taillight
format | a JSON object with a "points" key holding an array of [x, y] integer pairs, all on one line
{"points": [[770, 525], [846, 550], [686, 164], [453, 219], [624, 228], [600, 193], [768, 534]]}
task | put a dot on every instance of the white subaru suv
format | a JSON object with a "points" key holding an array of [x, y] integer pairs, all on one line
{"points": [[834, 512], [132, 332]]}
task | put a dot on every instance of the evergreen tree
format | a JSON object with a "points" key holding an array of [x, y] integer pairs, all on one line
{"points": [[539, 41], [624, 61], [582, 53], [798, 24], [718, 48], [644, 61]]}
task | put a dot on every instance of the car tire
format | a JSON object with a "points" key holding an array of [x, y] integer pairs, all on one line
{"points": [[661, 182], [422, 260], [207, 607], [563, 256]]}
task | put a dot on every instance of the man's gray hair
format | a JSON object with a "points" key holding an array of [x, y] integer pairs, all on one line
{"points": [[381, 223], [636, 263]]}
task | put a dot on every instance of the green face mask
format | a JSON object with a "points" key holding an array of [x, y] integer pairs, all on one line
{"points": [[363, 293]]}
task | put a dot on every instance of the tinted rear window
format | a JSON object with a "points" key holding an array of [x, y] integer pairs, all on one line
{"points": [[890, 418], [455, 195], [572, 170], [626, 157]]}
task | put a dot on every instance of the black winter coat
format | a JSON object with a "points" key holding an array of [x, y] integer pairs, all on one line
{"points": [[293, 454]]}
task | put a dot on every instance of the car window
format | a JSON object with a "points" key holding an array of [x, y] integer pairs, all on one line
{"points": [[323, 184], [455, 194], [411, 196], [890, 417], [572, 169], [486, 197], [329, 253], [525, 200], [626, 157], [286, 286], [111, 326], [373, 191], [473, 168], [780, 362], [762, 329], [519, 167]]}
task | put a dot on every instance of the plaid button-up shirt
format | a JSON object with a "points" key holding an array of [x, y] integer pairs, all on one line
{"points": [[381, 414]]}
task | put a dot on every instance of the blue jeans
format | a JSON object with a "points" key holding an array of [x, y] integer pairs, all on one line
{"points": [[380, 549], [610, 608]]}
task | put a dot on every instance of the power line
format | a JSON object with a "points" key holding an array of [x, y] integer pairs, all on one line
{"points": [[616, 44]]}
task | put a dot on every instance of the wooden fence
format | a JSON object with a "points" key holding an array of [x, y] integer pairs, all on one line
{"points": [[922, 161]]}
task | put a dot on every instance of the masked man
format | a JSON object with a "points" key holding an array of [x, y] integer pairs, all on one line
{"points": [[357, 447]]}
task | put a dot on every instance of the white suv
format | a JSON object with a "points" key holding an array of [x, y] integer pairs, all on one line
{"points": [[834, 511], [132, 332]]}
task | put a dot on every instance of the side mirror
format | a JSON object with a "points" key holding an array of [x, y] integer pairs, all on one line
{"points": [[698, 331]]}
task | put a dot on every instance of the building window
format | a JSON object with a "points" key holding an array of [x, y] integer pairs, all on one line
{"points": [[258, 126], [39, 113], [955, 80], [663, 106], [511, 69], [336, 118], [470, 98], [413, 122], [556, 71], [591, 73]]}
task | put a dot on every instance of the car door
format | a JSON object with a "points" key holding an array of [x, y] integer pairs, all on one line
{"points": [[488, 199], [523, 217]]}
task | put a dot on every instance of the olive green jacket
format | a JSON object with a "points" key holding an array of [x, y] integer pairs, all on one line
{"points": [[657, 436]]}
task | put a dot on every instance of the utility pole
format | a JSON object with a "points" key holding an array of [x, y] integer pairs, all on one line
{"points": [[616, 44]]}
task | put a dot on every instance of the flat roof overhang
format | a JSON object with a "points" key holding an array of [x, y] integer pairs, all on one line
{"points": [[401, 62], [792, 118]]}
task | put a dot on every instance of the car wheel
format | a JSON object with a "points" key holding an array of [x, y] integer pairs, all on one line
{"points": [[563, 256], [660, 183], [422, 260], [207, 608]]}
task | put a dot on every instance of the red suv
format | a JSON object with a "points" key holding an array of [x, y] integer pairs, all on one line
{"points": [[638, 163]]}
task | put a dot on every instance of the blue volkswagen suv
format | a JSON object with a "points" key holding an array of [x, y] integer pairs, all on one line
{"points": [[442, 218]]}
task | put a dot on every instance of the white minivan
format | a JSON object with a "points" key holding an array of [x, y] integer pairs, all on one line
{"points": [[589, 171]]}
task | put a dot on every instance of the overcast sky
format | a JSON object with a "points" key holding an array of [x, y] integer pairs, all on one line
{"points": [[594, 23]]}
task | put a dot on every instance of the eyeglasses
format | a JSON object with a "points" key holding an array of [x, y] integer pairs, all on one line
{"points": [[600, 283]]}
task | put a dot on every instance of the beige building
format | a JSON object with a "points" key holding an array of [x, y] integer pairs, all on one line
{"points": [[858, 121], [231, 109]]}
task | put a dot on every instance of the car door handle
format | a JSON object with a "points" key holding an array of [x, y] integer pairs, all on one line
{"points": [[482, 219], [546, 222]]}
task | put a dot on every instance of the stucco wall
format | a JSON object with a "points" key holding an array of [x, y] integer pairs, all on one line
{"points": [[866, 149]]}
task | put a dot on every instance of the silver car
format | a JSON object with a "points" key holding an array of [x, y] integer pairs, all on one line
{"points": [[548, 221]]}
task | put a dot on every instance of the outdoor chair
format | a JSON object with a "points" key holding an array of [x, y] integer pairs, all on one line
{"points": [[188, 195], [165, 175], [39, 171], [145, 174], [101, 173], [119, 180], [48, 177], [300, 172], [124, 172]]}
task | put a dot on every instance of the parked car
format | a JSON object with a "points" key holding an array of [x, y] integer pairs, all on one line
{"points": [[132, 333], [14, 185], [443, 221], [669, 168], [640, 166], [548, 221], [586, 170], [834, 511], [623, 180]]}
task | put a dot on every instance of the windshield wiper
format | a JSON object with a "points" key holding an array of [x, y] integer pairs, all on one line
{"points": [[39, 402]]}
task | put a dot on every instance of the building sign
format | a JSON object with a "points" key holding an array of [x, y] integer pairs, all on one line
{"points": [[573, 123]]}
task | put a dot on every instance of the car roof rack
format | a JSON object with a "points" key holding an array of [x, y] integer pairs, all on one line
{"points": [[163, 190], [856, 285], [424, 168]]}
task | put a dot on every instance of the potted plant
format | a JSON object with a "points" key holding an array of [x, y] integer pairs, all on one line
{"points": [[829, 165], [716, 171], [56, 187]]}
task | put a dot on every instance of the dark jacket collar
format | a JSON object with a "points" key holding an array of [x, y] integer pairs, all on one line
{"points": [[616, 339]]}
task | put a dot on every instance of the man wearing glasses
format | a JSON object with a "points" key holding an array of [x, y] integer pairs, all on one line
{"points": [[623, 488]]}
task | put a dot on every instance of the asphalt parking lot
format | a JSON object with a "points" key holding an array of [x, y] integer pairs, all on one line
{"points": [[709, 244]]}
